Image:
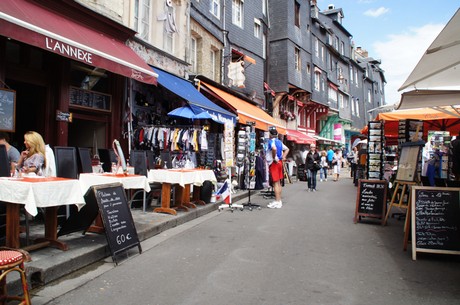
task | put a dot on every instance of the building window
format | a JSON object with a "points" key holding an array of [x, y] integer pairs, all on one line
{"points": [[308, 69], [264, 46], [322, 53], [342, 48], [357, 107], [215, 8], [142, 18], [369, 96], [351, 75], [237, 13], [257, 28], [193, 52], [356, 78], [332, 94], [297, 59], [316, 47], [336, 43], [297, 14], [341, 104], [168, 42], [214, 61], [317, 81], [353, 106]]}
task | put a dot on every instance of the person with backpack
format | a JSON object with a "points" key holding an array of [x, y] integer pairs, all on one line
{"points": [[275, 154]]}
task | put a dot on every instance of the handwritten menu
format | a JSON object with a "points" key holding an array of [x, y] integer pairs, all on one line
{"points": [[117, 218], [371, 199], [436, 218]]}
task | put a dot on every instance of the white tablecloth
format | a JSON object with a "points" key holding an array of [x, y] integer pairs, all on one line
{"points": [[129, 181], [41, 192], [182, 176]]}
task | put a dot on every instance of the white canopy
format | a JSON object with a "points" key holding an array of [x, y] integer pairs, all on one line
{"points": [[430, 98], [439, 67]]}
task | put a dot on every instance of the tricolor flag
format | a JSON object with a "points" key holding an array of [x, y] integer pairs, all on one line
{"points": [[224, 192]]}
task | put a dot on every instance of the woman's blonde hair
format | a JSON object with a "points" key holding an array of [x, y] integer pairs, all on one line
{"points": [[36, 143]]}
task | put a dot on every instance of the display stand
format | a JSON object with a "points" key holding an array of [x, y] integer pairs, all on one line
{"points": [[251, 164], [405, 177], [375, 151], [403, 202]]}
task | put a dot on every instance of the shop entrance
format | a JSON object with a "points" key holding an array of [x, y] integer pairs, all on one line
{"points": [[87, 133], [30, 110]]}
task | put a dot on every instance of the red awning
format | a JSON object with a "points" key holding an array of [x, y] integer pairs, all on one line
{"points": [[35, 25], [299, 137]]}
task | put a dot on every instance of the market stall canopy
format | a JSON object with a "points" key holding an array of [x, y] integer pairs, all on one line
{"points": [[359, 141], [188, 92], [33, 24], [434, 119], [327, 141], [299, 137], [430, 98], [439, 66], [246, 111]]}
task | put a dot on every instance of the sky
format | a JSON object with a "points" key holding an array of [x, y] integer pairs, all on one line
{"points": [[397, 32]]}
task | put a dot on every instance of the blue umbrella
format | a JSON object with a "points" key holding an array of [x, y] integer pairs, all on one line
{"points": [[190, 112], [184, 112]]}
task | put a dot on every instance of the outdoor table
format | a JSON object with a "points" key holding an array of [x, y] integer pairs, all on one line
{"points": [[128, 181], [38, 192], [183, 178]]}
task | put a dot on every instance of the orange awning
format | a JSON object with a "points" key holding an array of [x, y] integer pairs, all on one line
{"points": [[247, 112], [299, 137]]}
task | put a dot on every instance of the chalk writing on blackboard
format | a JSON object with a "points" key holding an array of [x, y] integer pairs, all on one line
{"points": [[436, 219], [7, 110], [371, 199]]}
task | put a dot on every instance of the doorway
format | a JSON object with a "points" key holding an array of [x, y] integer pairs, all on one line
{"points": [[30, 111]]}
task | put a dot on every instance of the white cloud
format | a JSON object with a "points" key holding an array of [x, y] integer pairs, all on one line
{"points": [[376, 12], [400, 53]]}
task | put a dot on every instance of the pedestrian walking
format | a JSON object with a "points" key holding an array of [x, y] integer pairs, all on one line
{"points": [[337, 164], [353, 160], [275, 155], [330, 155], [324, 166], [312, 164]]}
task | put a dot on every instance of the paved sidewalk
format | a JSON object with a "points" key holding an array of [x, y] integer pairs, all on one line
{"points": [[50, 264]]}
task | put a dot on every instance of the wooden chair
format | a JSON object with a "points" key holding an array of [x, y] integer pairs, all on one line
{"points": [[13, 260]]}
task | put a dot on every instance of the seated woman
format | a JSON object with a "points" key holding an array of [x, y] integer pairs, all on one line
{"points": [[33, 159]]}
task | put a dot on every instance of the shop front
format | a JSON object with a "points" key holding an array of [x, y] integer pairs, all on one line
{"points": [[178, 123], [67, 72]]}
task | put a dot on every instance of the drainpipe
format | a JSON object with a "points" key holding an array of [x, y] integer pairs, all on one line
{"points": [[224, 34]]}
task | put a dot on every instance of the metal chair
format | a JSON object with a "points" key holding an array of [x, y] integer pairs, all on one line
{"points": [[4, 163], [84, 160], [66, 167], [139, 159], [13, 260]]}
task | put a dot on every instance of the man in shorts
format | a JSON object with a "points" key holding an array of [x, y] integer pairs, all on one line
{"points": [[275, 154]]}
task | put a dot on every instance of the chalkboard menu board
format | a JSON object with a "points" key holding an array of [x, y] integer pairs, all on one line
{"points": [[116, 216], [371, 199], [89, 99], [7, 110], [435, 220]]}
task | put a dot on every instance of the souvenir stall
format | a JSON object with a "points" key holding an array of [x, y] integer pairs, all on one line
{"points": [[179, 126]]}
